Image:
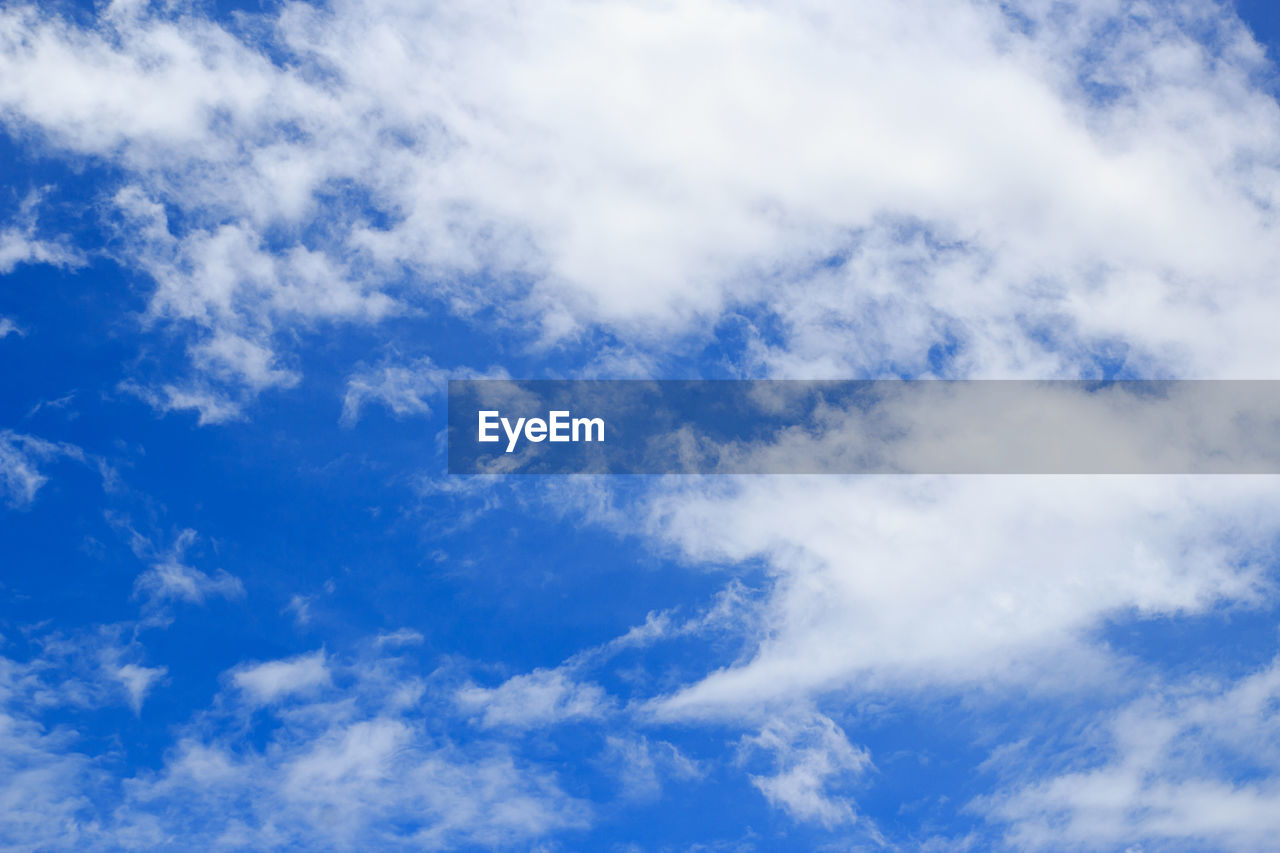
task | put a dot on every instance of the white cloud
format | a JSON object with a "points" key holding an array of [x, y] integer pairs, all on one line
{"points": [[539, 698], [810, 753], [9, 327], [365, 784], [399, 637], [49, 785], [643, 766], [651, 167], [1194, 767], [42, 780], [19, 244], [138, 681], [89, 668], [905, 581], [271, 681], [213, 407], [357, 771], [300, 607], [403, 388], [865, 180], [18, 247], [20, 478], [176, 582], [169, 579]]}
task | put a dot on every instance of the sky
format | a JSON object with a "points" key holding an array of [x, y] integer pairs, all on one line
{"points": [[245, 244]]}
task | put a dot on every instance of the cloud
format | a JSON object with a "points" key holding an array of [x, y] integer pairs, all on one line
{"points": [[401, 637], [9, 327], [48, 784], [20, 478], [1110, 184], [268, 682], [539, 698], [169, 579], [900, 582], [809, 754], [213, 407], [882, 188], [176, 582], [19, 244], [300, 607], [643, 766], [138, 681], [1194, 766], [42, 780], [17, 247], [403, 388], [88, 668], [358, 769], [361, 785]]}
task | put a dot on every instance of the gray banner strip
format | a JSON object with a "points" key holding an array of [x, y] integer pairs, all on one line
{"points": [[864, 427]]}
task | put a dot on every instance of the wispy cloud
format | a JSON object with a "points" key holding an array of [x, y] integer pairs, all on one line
{"points": [[810, 755], [170, 580], [1193, 765], [355, 768], [404, 389], [542, 697], [20, 456], [9, 327], [21, 244], [643, 766]]}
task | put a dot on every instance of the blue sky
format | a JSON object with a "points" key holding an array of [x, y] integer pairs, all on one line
{"points": [[244, 245]]}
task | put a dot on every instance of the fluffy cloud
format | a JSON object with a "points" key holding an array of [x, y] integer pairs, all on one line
{"points": [[903, 581], [651, 167]]}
